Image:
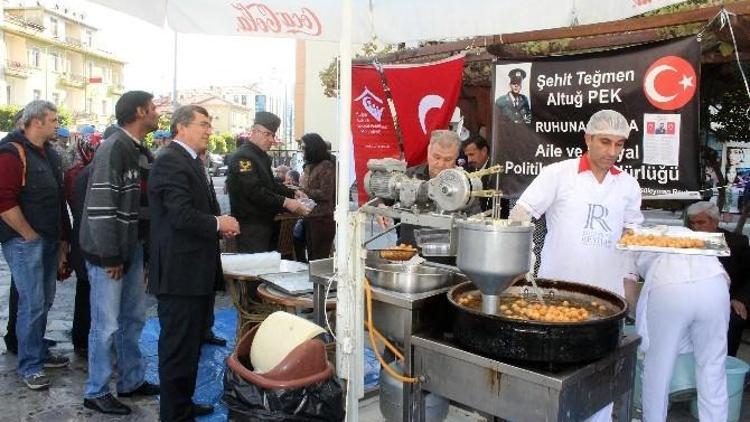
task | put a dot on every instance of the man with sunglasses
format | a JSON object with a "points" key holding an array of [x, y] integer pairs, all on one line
{"points": [[254, 196]]}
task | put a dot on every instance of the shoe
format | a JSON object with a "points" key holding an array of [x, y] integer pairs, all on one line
{"points": [[11, 345], [202, 409], [37, 381], [146, 389], [107, 404], [214, 340], [56, 361]]}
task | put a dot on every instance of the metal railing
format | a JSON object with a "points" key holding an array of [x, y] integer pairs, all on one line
{"points": [[18, 67]]}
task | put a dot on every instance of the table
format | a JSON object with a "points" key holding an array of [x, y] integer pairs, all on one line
{"points": [[243, 285]]}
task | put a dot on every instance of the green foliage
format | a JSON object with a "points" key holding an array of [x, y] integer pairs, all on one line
{"points": [[329, 77], [6, 116], [724, 103], [229, 142], [217, 144], [64, 117]]}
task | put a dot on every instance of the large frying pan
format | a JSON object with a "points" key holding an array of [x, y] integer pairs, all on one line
{"points": [[501, 338]]}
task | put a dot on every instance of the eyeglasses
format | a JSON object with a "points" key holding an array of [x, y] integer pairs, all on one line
{"points": [[204, 125], [262, 132]]}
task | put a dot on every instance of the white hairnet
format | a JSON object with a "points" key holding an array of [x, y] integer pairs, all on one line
{"points": [[608, 122], [704, 206]]}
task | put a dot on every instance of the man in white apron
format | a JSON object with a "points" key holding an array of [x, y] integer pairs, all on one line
{"points": [[684, 297], [587, 202]]}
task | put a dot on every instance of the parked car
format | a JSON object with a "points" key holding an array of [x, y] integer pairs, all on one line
{"points": [[216, 165]]}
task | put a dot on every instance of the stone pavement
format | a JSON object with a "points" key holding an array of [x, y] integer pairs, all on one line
{"points": [[63, 401]]}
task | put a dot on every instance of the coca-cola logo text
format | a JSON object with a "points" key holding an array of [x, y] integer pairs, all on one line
{"points": [[257, 17]]}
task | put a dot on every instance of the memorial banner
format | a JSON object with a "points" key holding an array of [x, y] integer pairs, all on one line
{"points": [[541, 109]]}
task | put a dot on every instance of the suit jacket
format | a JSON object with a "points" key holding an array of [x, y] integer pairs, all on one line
{"points": [[737, 266], [517, 113], [185, 257]]}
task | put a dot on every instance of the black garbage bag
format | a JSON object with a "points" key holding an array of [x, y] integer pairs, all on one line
{"points": [[322, 401]]}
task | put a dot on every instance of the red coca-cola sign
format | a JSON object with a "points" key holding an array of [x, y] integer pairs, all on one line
{"points": [[258, 17]]}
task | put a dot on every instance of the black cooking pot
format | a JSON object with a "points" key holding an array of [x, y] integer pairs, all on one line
{"points": [[502, 338]]}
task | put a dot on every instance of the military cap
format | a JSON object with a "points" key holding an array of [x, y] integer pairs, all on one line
{"points": [[516, 75], [268, 120]]}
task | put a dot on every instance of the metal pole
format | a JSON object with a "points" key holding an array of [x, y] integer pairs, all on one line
{"points": [[349, 317], [174, 75]]}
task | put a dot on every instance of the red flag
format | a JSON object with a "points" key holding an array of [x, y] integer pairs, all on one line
{"points": [[425, 96]]}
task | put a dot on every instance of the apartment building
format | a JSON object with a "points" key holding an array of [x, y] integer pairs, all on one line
{"points": [[227, 116], [50, 52]]}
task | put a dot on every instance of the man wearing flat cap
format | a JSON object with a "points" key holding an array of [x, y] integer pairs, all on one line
{"points": [[514, 105], [254, 196]]}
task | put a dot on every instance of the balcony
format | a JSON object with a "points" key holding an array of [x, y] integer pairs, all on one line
{"points": [[24, 23], [72, 80], [18, 69], [116, 89], [75, 42]]}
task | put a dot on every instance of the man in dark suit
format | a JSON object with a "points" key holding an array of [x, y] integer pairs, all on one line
{"points": [[704, 216], [185, 261]]}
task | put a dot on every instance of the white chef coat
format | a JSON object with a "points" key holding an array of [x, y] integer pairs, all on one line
{"points": [[585, 219]]}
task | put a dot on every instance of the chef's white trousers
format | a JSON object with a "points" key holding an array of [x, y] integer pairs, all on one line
{"points": [[603, 415], [700, 311]]}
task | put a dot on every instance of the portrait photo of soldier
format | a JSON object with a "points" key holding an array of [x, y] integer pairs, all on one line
{"points": [[514, 105]]}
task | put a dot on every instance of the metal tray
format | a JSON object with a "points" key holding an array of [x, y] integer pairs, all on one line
{"points": [[716, 245], [291, 283]]}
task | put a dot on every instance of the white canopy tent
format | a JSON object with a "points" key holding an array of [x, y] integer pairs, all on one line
{"points": [[357, 21]]}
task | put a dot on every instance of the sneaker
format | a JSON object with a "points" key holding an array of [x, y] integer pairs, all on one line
{"points": [[37, 381], [56, 361]]}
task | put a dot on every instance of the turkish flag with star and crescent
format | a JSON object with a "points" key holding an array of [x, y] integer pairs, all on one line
{"points": [[424, 95]]}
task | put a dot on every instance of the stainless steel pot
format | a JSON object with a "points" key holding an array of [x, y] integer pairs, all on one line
{"points": [[408, 278]]}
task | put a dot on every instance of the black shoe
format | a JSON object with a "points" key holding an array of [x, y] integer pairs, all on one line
{"points": [[11, 345], [202, 409], [214, 340], [107, 404], [146, 389]]}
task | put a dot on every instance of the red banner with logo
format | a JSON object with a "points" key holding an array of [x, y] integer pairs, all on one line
{"points": [[424, 95]]}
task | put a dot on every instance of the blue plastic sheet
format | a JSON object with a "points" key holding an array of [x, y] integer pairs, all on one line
{"points": [[212, 363]]}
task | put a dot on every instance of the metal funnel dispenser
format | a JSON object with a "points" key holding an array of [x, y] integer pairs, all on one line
{"points": [[492, 253]]}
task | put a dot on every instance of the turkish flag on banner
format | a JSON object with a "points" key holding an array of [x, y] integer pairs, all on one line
{"points": [[425, 96]]}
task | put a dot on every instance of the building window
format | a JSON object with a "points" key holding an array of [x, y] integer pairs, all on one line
{"points": [[56, 98], [56, 62], [107, 75], [37, 94], [54, 25], [89, 38], [236, 99], [244, 100], [35, 59], [90, 69]]}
